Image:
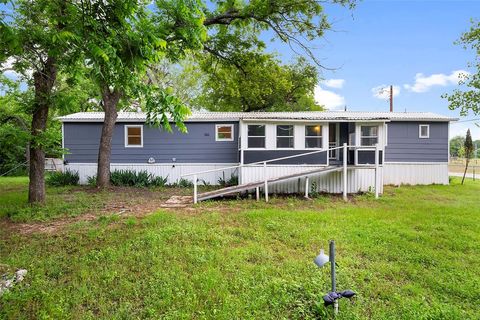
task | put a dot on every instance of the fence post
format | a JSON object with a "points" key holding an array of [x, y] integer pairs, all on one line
{"points": [[345, 155], [195, 200], [376, 170], [257, 193], [306, 187], [266, 180]]}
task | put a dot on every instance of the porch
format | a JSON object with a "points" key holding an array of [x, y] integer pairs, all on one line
{"points": [[260, 141]]}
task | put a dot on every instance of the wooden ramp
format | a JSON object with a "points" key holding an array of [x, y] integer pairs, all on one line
{"points": [[256, 184]]}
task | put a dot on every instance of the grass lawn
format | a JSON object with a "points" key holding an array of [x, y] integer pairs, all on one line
{"points": [[413, 254]]}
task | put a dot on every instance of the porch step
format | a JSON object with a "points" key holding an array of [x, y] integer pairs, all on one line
{"points": [[253, 185]]}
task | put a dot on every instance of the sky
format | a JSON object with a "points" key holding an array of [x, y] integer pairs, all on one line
{"points": [[407, 44]]}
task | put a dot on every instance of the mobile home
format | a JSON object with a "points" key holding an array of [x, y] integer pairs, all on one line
{"points": [[310, 150]]}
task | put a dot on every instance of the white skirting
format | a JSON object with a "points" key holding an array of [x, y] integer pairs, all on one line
{"points": [[415, 173], [358, 179], [173, 172]]}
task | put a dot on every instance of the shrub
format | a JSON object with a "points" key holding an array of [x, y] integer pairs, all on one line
{"points": [[232, 181], [92, 181], [184, 183], [67, 178], [132, 178], [314, 189], [204, 183], [158, 181]]}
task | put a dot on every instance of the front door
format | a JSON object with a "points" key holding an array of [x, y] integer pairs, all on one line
{"points": [[333, 140]]}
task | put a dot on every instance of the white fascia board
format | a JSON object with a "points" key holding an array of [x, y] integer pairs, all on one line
{"points": [[308, 121]]}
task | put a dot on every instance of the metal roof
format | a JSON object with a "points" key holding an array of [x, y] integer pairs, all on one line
{"points": [[236, 116]]}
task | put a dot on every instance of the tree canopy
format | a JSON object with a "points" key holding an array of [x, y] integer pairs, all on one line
{"points": [[469, 99], [261, 84], [83, 55]]}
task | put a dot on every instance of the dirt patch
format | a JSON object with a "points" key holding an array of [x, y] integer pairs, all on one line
{"points": [[139, 202], [178, 202], [124, 202]]}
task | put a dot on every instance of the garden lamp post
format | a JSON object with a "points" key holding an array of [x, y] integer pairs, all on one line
{"points": [[333, 296]]}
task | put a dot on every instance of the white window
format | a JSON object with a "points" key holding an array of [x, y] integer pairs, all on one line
{"points": [[285, 136], [224, 132], [133, 136], [256, 136], [313, 136], [368, 135], [424, 131]]}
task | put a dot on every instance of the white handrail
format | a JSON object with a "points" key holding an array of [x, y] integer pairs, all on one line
{"points": [[345, 147], [262, 162]]}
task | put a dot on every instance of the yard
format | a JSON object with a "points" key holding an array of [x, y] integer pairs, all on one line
{"points": [[412, 254]]}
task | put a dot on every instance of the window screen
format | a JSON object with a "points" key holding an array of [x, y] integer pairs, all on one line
{"points": [[424, 131], [313, 136], [285, 136], [256, 136], [368, 135]]}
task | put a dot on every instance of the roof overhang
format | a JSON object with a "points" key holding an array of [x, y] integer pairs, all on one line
{"points": [[327, 116], [316, 120]]}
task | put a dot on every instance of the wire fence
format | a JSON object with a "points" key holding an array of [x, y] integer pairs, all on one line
{"points": [[457, 167]]}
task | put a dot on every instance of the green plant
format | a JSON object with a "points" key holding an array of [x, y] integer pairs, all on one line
{"points": [[232, 181], [184, 183], [92, 180], [205, 183], [132, 178], [66, 178], [158, 181], [314, 189]]}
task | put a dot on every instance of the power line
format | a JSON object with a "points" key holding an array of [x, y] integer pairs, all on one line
{"points": [[470, 120]]}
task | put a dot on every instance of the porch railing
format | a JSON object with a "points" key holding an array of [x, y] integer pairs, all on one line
{"points": [[345, 148], [332, 154]]}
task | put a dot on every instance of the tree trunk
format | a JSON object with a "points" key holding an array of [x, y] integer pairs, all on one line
{"points": [[110, 102], [466, 168], [43, 82]]}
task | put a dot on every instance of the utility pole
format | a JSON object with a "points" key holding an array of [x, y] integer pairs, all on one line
{"points": [[388, 91], [391, 98]]}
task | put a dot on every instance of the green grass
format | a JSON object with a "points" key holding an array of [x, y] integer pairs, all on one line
{"points": [[413, 254], [67, 201]]}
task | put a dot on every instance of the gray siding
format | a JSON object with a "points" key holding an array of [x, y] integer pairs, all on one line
{"points": [[404, 145], [262, 155], [197, 146]]}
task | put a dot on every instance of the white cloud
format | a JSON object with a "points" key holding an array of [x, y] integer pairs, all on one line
{"points": [[329, 99], [334, 83], [383, 91], [423, 83], [6, 69], [460, 129]]}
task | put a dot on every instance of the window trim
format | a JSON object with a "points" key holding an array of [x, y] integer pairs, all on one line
{"points": [[232, 127], [264, 137], [306, 137], [277, 136], [366, 137], [420, 131], [126, 136]]}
